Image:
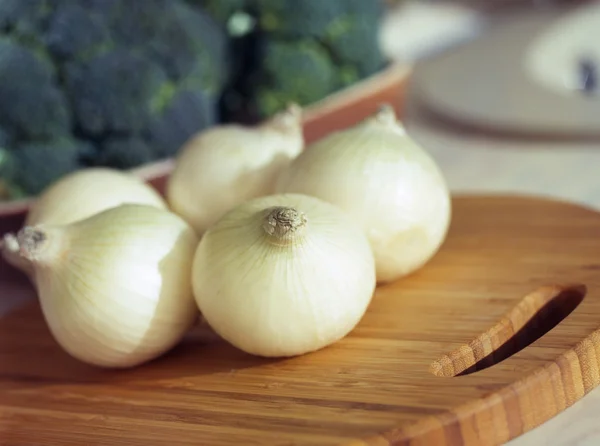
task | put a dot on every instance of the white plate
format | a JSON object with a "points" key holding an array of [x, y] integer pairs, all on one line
{"points": [[510, 78]]}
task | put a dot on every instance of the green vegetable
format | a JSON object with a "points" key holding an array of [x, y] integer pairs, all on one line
{"points": [[187, 111], [299, 71], [120, 83], [302, 51], [125, 153], [113, 92], [39, 163], [104, 82], [222, 10], [345, 32], [31, 104]]}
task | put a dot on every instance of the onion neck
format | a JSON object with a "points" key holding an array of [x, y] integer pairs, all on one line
{"points": [[286, 121], [385, 118], [9, 246], [284, 225], [39, 246]]}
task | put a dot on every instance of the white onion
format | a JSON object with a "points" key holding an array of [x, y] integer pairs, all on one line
{"points": [[115, 288], [283, 275], [226, 165], [77, 196], [386, 182]]}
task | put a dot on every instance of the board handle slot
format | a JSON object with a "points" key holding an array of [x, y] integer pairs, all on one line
{"points": [[534, 316]]}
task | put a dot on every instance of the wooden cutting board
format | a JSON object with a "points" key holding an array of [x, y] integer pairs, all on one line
{"points": [[494, 287]]}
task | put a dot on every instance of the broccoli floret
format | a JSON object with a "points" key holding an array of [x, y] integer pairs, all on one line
{"points": [[221, 10], [5, 139], [304, 51], [313, 18], [125, 153], [193, 50], [183, 40], [129, 80], [37, 164], [25, 20], [75, 32], [189, 112], [298, 19], [32, 105], [354, 44], [348, 28], [299, 71], [132, 22], [114, 92]]}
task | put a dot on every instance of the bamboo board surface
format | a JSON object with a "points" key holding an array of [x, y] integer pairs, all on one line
{"points": [[503, 262]]}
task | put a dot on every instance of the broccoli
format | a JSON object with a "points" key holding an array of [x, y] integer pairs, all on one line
{"points": [[297, 20], [124, 153], [5, 140], [202, 60], [301, 70], [32, 105], [104, 82], [187, 111], [303, 51], [75, 32], [24, 20], [124, 82], [222, 10], [114, 92], [37, 164]]}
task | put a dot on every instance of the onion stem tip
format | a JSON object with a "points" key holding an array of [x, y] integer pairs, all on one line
{"points": [[386, 114], [30, 241], [284, 223], [9, 242]]}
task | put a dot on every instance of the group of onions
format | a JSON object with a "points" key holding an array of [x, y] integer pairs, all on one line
{"points": [[278, 245]]}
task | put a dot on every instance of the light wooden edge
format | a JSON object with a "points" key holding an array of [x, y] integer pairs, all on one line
{"points": [[467, 355], [386, 78], [509, 412]]}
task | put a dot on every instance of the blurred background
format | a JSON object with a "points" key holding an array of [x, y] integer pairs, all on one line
{"points": [[503, 93]]}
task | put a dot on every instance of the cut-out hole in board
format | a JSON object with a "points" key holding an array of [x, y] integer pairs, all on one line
{"points": [[534, 316]]}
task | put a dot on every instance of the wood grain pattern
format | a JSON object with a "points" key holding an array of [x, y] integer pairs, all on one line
{"points": [[373, 388], [530, 319]]}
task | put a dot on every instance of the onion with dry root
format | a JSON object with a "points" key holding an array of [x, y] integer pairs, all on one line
{"points": [[79, 195], [115, 288], [386, 182], [226, 165], [283, 275]]}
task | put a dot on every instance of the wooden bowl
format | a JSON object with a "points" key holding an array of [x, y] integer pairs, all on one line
{"points": [[336, 111]]}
